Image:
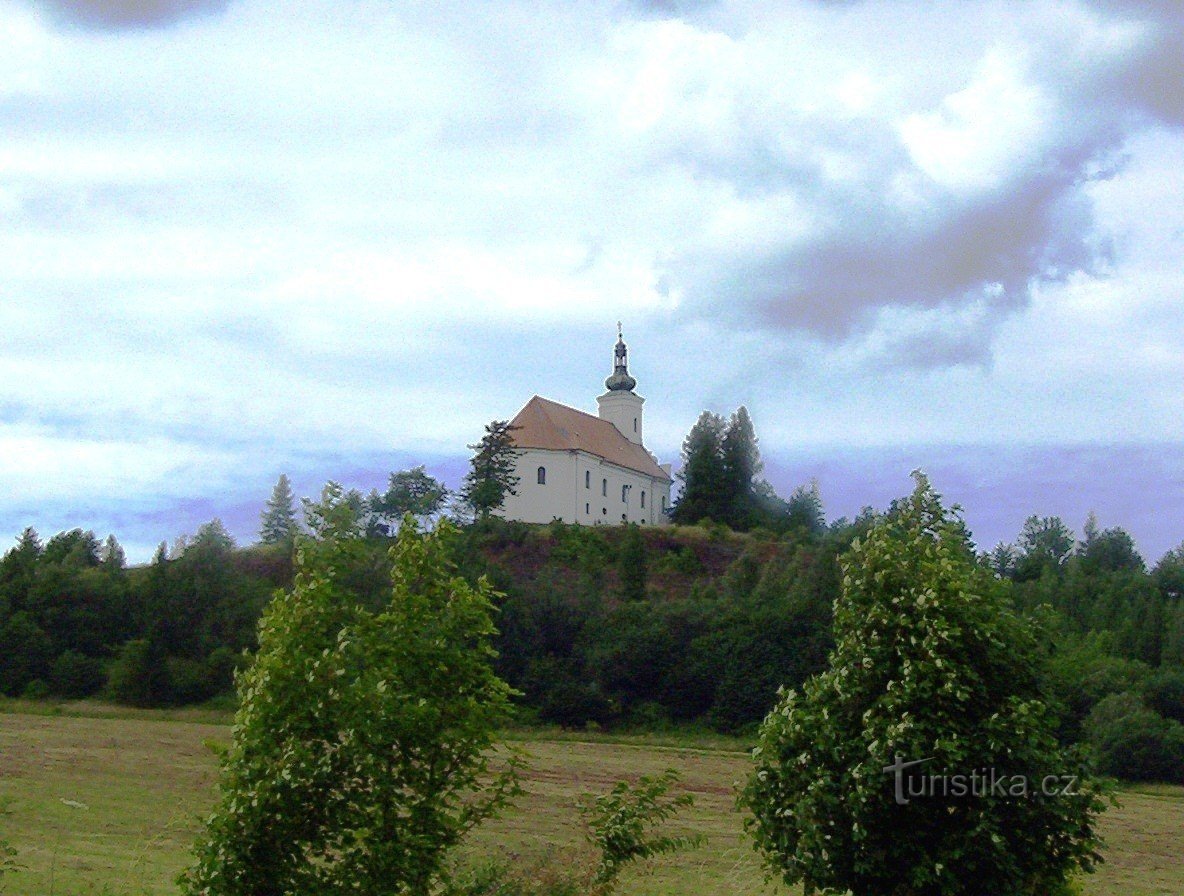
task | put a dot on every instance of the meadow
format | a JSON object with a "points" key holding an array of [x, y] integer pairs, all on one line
{"points": [[107, 801]]}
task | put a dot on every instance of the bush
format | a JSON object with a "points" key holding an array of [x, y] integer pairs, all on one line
{"points": [[1134, 742], [139, 676], [35, 690], [75, 676], [1164, 692], [189, 681]]}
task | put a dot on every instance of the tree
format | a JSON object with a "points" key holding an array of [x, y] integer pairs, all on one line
{"points": [[112, 556], [740, 460], [278, 520], [1045, 543], [362, 738], [703, 477], [803, 510], [491, 475], [930, 666], [408, 491]]}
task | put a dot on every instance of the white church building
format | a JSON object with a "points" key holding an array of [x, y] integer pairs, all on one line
{"points": [[582, 468]]}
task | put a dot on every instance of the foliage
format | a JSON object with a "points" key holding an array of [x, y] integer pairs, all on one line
{"points": [[1135, 743], [408, 491], [633, 565], [622, 823], [139, 676], [1044, 544], [74, 675], [741, 464], [929, 664], [277, 523], [25, 652], [1164, 692], [361, 749], [491, 476], [704, 487]]}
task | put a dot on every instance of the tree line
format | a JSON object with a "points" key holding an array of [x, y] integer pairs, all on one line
{"points": [[698, 623]]}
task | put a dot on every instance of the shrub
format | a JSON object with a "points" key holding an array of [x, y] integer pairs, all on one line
{"points": [[75, 676], [622, 824], [139, 676], [1164, 692], [1134, 742]]}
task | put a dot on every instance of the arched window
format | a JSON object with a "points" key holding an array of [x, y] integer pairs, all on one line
{"points": [[624, 493], [643, 500], [663, 503], [635, 424], [604, 487], [542, 475], [587, 479]]}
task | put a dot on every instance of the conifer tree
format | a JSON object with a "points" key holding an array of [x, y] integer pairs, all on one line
{"points": [[704, 486], [491, 475], [278, 520], [741, 463]]}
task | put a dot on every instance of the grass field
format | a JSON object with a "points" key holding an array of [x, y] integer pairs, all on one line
{"points": [[108, 802]]}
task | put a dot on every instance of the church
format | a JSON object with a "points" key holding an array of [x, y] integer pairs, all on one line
{"points": [[585, 468]]}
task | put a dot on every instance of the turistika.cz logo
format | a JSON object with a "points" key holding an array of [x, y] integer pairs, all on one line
{"points": [[985, 782]]}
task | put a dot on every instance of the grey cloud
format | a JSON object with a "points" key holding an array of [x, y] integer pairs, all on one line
{"points": [[129, 14]]}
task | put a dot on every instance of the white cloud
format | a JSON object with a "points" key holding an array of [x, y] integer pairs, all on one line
{"points": [[303, 235]]}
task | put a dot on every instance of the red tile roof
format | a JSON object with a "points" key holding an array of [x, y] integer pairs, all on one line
{"points": [[547, 424]]}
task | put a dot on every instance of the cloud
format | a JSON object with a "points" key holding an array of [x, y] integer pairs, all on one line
{"points": [[118, 15]]}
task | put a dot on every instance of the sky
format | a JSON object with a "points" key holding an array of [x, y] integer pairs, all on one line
{"points": [[334, 238]]}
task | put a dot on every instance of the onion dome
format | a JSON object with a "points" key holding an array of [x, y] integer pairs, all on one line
{"points": [[620, 381]]}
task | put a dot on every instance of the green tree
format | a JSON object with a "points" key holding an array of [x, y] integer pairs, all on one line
{"points": [[803, 510], [704, 482], [931, 664], [1136, 743], [1044, 544], [361, 750], [278, 520], [408, 491], [632, 564], [25, 653], [740, 460], [112, 556], [491, 476]]}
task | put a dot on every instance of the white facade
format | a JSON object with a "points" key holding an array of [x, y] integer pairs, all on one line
{"points": [[579, 487]]}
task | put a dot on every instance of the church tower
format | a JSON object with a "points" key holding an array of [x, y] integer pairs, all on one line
{"points": [[620, 405]]}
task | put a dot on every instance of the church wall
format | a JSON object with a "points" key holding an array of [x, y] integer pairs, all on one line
{"points": [[536, 503], [582, 488]]}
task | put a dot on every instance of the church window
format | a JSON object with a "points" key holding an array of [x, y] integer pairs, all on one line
{"points": [[643, 500], [542, 475], [635, 424], [587, 479], [604, 487], [624, 493], [587, 510]]}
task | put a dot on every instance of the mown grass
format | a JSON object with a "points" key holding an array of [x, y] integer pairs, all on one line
{"points": [[108, 801]]}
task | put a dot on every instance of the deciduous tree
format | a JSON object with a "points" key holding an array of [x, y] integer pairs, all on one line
{"points": [[930, 666], [361, 750]]}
